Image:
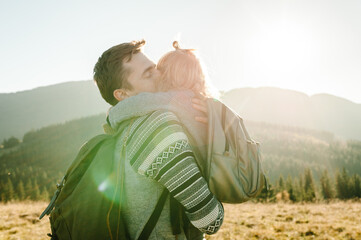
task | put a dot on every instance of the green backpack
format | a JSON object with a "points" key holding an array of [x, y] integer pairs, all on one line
{"points": [[79, 210], [234, 165]]}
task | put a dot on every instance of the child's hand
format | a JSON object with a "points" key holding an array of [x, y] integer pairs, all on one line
{"points": [[200, 105]]}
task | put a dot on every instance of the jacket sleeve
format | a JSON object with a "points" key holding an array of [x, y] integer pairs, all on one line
{"points": [[159, 149]]}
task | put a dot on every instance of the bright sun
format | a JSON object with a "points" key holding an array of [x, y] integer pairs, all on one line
{"points": [[279, 52]]}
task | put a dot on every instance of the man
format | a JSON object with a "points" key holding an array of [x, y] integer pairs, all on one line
{"points": [[156, 149]]}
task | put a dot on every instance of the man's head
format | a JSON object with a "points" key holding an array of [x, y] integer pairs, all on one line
{"points": [[123, 71]]}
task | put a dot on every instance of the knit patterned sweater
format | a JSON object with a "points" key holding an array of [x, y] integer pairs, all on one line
{"points": [[158, 148]]}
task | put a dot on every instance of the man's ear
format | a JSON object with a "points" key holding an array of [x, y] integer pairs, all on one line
{"points": [[120, 94]]}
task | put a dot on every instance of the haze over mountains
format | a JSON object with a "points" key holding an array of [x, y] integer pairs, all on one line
{"points": [[286, 107], [34, 109]]}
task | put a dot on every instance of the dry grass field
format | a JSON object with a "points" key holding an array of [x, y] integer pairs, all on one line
{"points": [[338, 220], [21, 221]]}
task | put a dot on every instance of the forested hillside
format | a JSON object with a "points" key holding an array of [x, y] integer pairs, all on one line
{"points": [[289, 150], [39, 162], [31, 168], [33, 109]]}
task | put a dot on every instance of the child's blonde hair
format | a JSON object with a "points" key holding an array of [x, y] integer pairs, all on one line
{"points": [[181, 69]]}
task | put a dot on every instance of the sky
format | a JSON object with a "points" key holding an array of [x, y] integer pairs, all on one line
{"points": [[311, 46]]}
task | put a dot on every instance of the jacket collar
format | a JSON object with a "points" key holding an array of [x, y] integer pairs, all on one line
{"points": [[145, 103]]}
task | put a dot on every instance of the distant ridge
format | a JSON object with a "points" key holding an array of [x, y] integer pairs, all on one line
{"points": [[287, 107], [33, 109], [40, 107]]}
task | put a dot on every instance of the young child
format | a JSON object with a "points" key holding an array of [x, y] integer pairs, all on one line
{"points": [[227, 153], [182, 69]]}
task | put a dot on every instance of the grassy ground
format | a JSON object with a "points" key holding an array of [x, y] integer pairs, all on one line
{"points": [[339, 220], [20, 221]]}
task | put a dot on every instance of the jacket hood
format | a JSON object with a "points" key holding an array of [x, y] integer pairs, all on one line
{"points": [[145, 103]]}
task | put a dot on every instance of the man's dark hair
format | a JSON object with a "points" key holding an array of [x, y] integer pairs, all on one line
{"points": [[109, 71]]}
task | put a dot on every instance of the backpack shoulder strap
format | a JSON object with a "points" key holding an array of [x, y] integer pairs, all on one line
{"points": [[85, 150], [152, 221]]}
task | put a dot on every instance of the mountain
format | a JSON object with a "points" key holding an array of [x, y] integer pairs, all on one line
{"points": [[285, 107], [41, 159], [23, 111]]}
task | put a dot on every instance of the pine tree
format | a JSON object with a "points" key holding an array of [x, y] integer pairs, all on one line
{"points": [[358, 186], [44, 176], [10, 194], [290, 188], [300, 193], [36, 192], [11, 142], [3, 196], [44, 194], [346, 180], [309, 187], [20, 190], [342, 185], [281, 184], [271, 192], [339, 186], [327, 191], [28, 189], [355, 186]]}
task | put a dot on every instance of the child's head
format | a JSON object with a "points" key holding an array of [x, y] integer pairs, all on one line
{"points": [[181, 70]]}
